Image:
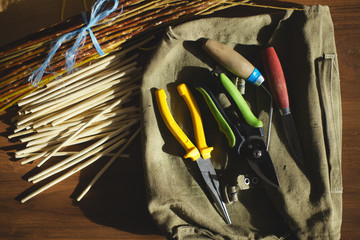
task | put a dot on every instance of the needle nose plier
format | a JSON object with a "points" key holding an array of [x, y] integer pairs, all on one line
{"points": [[200, 154]]}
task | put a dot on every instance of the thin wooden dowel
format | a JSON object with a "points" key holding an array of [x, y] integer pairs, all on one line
{"points": [[61, 178], [19, 153], [78, 109], [114, 142], [104, 63], [83, 106], [88, 132], [70, 153], [80, 118], [82, 73], [88, 104], [54, 133], [41, 137], [20, 128], [83, 127], [37, 116], [58, 154], [49, 145], [122, 76], [66, 100], [48, 149], [81, 86], [115, 112], [93, 132], [21, 133], [87, 149], [64, 130], [65, 125], [100, 77], [57, 86], [36, 155]]}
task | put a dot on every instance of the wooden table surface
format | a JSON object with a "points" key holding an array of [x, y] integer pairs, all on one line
{"points": [[116, 207]]}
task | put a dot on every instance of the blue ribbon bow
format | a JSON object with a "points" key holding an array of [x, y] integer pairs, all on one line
{"points": [[98, 13]]}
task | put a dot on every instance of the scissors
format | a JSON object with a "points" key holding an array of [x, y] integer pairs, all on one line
{"points": [[243, 130], [200, 154]]}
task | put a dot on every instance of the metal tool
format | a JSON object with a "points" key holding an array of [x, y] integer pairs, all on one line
{"points": [[243, 130], [200, 154], [233, 61], [276, 80]]}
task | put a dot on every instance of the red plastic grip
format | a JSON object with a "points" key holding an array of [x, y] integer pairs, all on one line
{"points": [[274, 75]]}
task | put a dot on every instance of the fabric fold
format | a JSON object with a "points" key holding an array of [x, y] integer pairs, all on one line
{"points": [[308, 203]]}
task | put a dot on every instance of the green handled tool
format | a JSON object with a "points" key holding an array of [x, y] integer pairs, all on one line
{"points": [[245, 132]]}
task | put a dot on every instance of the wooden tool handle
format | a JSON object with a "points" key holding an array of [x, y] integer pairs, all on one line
{"points": [[233, 61]]}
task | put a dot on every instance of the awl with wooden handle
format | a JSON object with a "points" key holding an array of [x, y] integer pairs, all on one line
{"points": [[274, 75], [233, 61]]}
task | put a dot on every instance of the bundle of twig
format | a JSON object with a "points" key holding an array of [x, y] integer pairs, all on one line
{"points": [[94, 106], [131, 19]]}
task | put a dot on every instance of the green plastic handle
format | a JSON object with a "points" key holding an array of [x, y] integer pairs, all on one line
{"points": [[223, 125], [240, 102]]}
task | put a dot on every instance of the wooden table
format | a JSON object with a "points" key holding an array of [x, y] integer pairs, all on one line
{"points": [[116, 207]]}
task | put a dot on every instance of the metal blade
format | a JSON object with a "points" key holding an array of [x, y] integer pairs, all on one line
{"points": [[212, 183], [260, 161], [292, 137], [266, 171]]}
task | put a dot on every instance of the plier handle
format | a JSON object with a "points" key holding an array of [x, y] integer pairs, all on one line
{"points": [[200, 154], [191, 151]]}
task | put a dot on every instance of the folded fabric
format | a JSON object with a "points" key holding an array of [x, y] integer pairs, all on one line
{"points": [[308, 203]]}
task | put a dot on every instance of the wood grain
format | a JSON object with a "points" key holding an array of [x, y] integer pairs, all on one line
{"points": [[116, 207]]}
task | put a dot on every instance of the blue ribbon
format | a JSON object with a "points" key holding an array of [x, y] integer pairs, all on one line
{"points": [[98, 13]]}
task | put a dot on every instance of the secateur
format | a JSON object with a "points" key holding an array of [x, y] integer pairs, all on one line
{"points": [[242, 129]]}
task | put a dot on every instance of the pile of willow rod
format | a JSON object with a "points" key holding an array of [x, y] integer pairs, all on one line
{"points": [[95, 106]]}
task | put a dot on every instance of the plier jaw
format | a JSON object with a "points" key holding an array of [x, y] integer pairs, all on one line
{"points": [[259, 160]]}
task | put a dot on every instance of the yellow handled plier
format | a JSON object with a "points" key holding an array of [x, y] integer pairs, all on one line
{"points": [[200, 154]]}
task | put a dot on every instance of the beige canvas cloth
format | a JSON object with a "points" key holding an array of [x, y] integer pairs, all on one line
{"points": [[308, 204]]}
